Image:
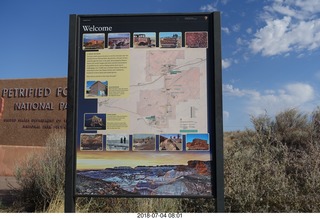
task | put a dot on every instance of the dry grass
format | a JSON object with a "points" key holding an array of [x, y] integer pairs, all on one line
{"points": [[127, 205], [41, 176]]}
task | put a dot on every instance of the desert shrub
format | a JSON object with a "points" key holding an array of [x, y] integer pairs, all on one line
{"points": [[315, 123], [293, 129], [275, 166], [254, 175], [198, 205], [41, 175]]}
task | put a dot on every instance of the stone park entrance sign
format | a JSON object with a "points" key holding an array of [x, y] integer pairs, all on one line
{"points": [[30, 110]]}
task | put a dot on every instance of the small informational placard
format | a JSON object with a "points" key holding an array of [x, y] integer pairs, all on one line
{"points": [[143, 105]]}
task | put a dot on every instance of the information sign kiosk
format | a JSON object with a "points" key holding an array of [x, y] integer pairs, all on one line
{"points": [[144, 107]]}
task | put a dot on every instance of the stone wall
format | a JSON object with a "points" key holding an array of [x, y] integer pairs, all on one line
{"points": [[30, 109]]}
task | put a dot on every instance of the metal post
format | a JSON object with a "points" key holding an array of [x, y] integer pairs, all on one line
{"points": [[70, 150], [218, 121]]}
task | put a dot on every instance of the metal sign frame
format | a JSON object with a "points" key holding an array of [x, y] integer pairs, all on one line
{"points": [[76, 100]]}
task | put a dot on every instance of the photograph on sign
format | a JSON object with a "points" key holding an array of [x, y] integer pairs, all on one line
{"points": [[144, 142], [91, 142], [170, 142], [95, 121], [170, 40], [196, 39], [117, 142], [142, 108], [144, 40], [197, 142], [93, 41], [119, 40]]}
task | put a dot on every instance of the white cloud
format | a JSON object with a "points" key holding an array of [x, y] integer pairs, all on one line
{"points": [[290, 26], [291, 96], [271, 40], [241, 42], [226, 30], [236, 27], [226, 114], [226, 63], [269, 92], [296, 95], [309, 6], [284, 10], [229, 90], [208, 8]]}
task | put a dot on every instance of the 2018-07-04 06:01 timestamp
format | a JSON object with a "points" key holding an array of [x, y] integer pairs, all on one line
{"points": [[159, 215]]}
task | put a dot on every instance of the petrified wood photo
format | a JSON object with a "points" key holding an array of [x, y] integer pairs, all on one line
{"points": [[91, 142], [170, 142], [94, 121]]}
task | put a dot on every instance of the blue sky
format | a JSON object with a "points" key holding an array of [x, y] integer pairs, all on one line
{"points": [[270, 48]]}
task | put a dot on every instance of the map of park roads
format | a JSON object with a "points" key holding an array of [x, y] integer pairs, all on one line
{"points": [[167, 92]]}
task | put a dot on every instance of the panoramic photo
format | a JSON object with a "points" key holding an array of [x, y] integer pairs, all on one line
{"points": [[144, 174]]}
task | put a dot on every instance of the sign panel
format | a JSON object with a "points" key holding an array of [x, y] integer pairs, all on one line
{"points": [[30, 109], [143, 105]]}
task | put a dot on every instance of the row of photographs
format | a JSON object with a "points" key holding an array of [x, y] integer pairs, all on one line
{"points": [[144, 142], [95, 41]]}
